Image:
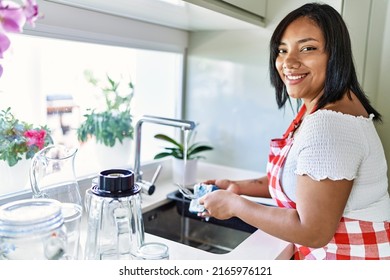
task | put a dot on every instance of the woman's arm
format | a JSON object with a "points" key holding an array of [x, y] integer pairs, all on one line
{"points": [[320, 205], [252, 187]]}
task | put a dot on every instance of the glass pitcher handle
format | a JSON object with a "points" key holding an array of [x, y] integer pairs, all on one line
{"points": [[38, 158], [123, 231]]}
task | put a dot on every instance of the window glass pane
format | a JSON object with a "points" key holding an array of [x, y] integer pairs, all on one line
{"points": [[44, 83]]}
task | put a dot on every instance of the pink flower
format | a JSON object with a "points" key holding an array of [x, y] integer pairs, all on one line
{"points": [[35, 137], [4, 44], [31, 11], [12, 19]]}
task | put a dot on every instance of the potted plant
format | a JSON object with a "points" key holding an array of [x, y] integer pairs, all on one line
{"points": [[19, 142], [111, 125], [184, 164]]}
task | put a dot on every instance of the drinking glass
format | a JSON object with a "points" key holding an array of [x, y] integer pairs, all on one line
{"points": [[72, 219], [152, 251]]}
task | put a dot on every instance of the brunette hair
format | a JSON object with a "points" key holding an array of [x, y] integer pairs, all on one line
{"points": [[340, 72]]}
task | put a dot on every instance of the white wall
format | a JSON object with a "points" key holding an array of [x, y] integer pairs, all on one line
{"points": [[228, 93]]}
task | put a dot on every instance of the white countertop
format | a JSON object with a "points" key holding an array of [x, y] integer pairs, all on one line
{"points": [[259, 245]]}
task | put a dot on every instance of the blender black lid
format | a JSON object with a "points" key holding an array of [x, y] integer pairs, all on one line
{"points": [[116, 183]]}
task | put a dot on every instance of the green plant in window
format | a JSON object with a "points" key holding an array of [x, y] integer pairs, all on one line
{"points": [[176, 149], [114, 122]]}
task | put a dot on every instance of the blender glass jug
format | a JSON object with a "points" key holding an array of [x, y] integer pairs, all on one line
{"points": [[115, 224]]}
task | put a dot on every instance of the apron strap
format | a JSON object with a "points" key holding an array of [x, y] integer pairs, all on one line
{"points": [[295, 123]]}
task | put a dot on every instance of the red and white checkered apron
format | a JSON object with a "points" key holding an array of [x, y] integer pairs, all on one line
{"points": [[354, 239]]}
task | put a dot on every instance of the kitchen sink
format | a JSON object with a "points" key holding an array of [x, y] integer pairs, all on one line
{"points": [[173, 221]]}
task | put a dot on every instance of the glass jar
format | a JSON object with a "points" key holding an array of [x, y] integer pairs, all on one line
{"points": [[32, 229]]}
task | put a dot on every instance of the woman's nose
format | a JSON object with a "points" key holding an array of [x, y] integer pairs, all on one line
{"points": [[291, 61]]}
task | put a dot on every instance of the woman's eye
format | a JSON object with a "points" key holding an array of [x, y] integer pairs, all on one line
{"points": [[305, 49], [280, 51]]}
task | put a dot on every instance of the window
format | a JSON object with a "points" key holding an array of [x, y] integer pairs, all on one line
{"points": [[40, 72]]}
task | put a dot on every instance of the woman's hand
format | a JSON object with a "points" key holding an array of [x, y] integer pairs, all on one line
{"points": [[224, 184], [219, 204], [252, 187]]}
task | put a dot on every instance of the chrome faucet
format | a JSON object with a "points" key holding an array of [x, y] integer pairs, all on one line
{"points": [[149, 187]]}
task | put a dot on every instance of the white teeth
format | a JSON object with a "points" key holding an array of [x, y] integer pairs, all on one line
{"points": [[295, 77]]}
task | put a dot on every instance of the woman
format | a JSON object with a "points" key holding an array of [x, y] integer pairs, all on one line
{"points": [[328, 171]]}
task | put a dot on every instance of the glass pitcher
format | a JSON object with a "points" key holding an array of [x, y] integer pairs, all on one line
{"points": [[52, 175]]}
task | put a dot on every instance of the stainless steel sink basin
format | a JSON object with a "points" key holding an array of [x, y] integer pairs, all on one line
{"points": [[173, 221]]}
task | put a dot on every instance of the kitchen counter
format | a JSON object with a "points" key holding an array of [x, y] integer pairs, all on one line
{"points": [[259, 245]]}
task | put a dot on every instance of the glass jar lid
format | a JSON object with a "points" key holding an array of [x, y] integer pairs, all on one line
{"points": [[28, 216]]}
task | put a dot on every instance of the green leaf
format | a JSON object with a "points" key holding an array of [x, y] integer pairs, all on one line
{"points": [[162, 155], [168, 139], [199, 149]]}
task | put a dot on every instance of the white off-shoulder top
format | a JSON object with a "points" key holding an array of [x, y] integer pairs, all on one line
{"points": [[339, 146]]}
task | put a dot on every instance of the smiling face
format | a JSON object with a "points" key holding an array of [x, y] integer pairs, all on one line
{"points": [[302, 60]]}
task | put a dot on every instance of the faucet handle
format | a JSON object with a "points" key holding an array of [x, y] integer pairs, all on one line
{"points": [[156, 174], [149, 187]]}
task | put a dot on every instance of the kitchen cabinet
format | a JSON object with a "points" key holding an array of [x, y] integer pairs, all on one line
{"points": [[189, 15], [257, 7], [252, 11]]}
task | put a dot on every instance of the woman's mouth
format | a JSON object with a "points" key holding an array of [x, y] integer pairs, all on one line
{"points": [[295, 77]]}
